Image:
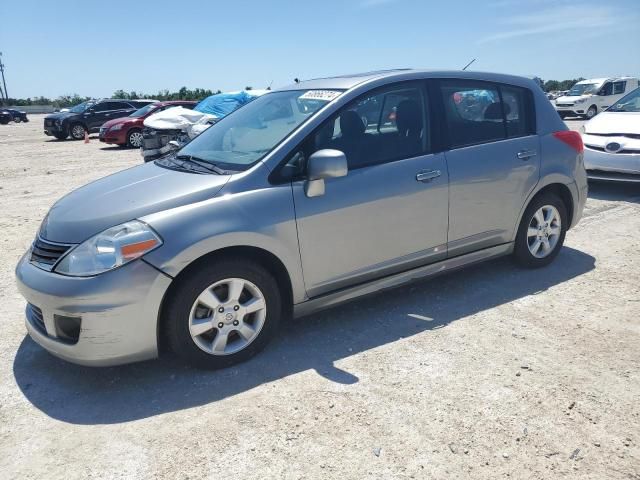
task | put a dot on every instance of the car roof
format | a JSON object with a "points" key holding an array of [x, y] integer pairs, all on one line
{"points": [[171, 102], [345, 82]]}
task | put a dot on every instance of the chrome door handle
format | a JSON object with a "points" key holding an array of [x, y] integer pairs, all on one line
{"points": [[526, 154], [427, 175]]}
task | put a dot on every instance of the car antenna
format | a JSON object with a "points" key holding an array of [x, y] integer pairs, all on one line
{"points": [[465, 67], [269, 87]]}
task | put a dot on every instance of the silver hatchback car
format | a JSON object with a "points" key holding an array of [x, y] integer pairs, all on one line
{"points": [[307, 197]]}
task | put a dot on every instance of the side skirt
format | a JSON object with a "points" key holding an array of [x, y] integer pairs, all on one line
{"points": [[393, 281]]}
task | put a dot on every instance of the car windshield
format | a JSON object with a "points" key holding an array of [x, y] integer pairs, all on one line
{"points": [[144, 110], [583, 89], [628, 103], [81, 107], [245, 136]]}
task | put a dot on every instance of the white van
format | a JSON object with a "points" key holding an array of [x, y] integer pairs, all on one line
{"points": [[590, 97]]}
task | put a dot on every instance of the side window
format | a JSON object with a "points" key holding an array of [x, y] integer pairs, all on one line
{"points": [[119, 106], [607, 89], [618, 87], [473, 112], [102, 107], [517, 110], [380, 127]]}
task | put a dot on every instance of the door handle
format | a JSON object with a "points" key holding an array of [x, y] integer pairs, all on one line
{"points": [[526, 154], [427, 175]]}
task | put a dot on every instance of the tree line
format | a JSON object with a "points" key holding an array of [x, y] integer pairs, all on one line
{"points": [[185, 93], [64, 101]]}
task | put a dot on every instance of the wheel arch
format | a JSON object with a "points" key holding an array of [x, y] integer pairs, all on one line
{"points": [[256, 254], [560, 189]]}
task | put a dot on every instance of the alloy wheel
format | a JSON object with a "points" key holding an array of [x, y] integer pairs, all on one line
{"points": [[135, 139], [544, 231], [77, 132], [227, 316]]}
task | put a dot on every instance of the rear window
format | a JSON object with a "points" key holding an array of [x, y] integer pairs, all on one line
{"points": [[481, 112]]}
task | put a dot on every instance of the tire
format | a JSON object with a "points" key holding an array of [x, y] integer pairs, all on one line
{"points": [[184, 313], [60, 136], [592, 112], [77, 131], [134, 138], [548, 204], [17, 119]]}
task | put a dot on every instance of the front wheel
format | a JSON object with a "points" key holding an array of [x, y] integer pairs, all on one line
{"points": [[17, 119], [77, 131], [541, 232], [134, 138], [592, 111], [222, 313]]}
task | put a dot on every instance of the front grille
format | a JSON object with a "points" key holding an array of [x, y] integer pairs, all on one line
{"points": [[48, 123], [34, 314], [45, 254], [602, 149], [565, 105]]}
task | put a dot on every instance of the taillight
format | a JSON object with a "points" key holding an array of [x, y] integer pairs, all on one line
{"points": [[571, 138]]}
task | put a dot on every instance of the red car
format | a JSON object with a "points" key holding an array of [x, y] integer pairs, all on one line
{"points": [[127, 131]]}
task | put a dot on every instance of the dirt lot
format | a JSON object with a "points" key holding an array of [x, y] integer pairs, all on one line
{"points": [[487, 373]]}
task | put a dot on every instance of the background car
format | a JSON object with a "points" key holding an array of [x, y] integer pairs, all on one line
{"points": [[127, 131], [590, 97], [612, 142], [89, 116], [14, 115]]}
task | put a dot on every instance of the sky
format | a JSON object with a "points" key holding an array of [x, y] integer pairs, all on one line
{"points": [[61, 47]]}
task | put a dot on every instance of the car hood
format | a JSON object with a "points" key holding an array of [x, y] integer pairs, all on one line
{"points": [[123, 120], [60, 115], [572, 98], [614, 122], [124, 196]]}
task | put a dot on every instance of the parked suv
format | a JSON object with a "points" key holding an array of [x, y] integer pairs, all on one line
{"points": [[87, 117], [298, 201], [127, 131]]}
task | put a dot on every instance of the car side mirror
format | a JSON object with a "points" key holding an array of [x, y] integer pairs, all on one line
{"points": [[323, 164]]}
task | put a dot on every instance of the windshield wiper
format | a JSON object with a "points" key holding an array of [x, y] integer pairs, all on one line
{"points": [[211, 167]]}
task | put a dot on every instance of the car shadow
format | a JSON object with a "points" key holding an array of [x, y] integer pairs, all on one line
{"points": [[114, 148], [614, 191], [82, 395]]}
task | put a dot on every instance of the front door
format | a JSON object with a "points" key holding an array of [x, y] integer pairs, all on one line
{"points": [[390, 212], [493, 161]]}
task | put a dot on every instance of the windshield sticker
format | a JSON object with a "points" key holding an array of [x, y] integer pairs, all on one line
{"points": [[325, 95]]}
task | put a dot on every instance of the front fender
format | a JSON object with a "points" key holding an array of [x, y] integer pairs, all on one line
{"points": [[262, 218]]}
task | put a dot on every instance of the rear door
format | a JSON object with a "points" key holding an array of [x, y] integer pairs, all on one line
{"points": [[492, 158]]}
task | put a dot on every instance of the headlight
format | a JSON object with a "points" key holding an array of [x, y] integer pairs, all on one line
{"points": [[581, 100], [110, 249], [58, 122], [117, 126]]}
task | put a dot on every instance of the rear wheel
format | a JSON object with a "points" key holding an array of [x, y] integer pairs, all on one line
{"points": [[541, 232], [77, 131], [223, 313], [134, 138]]}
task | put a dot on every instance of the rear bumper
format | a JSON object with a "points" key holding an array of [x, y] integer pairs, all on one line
{"points": [[117, 312]]}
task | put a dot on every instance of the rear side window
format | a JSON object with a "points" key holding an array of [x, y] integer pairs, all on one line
{"points": [[618, 87], [119, 106], [518, 115], [481, 112]]}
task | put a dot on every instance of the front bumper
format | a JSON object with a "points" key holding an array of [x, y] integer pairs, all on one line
{"points": [[118, 312], [117, 137], [612, 166], [52, 129], [574, 109]]}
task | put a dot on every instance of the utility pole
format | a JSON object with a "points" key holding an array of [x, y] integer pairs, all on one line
{"points": [[6, 94]]}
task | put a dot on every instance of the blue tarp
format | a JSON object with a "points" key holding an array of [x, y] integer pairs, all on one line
{"points": [[224, 103]]}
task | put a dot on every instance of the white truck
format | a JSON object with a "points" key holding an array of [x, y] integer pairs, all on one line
{"points": [[590, 97]]}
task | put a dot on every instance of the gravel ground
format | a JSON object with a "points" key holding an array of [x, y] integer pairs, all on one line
{"points": [[491, 372]]}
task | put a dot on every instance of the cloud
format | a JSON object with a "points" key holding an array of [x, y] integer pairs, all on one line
{"points": [[585, 18]]}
